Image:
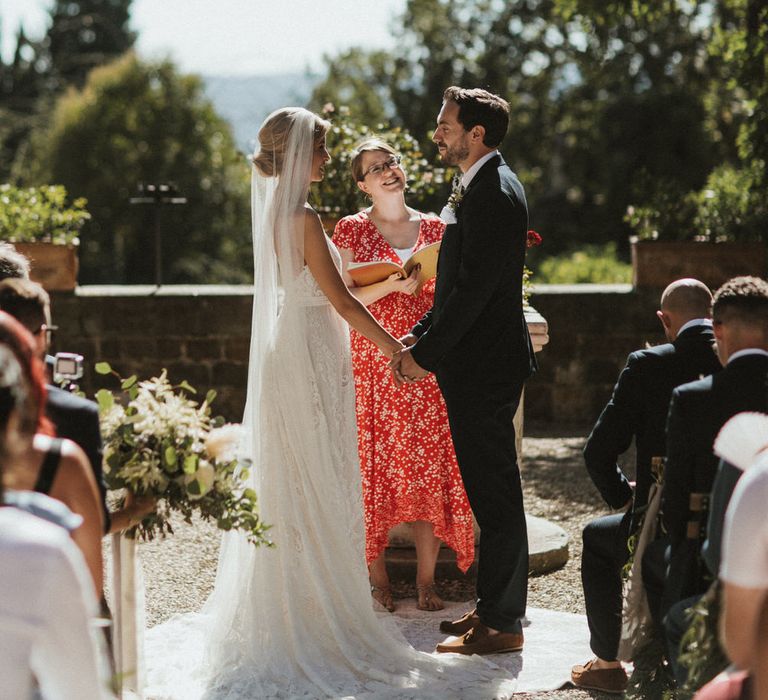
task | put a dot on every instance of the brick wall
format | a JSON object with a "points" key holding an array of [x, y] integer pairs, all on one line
{"points": [[201, 334]]}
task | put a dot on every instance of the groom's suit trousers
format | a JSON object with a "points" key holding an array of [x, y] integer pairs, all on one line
{"points": [[480, 416]]}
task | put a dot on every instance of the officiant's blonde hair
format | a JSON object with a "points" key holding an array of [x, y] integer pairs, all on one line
{"points": [[367, 146], [273, 137]]}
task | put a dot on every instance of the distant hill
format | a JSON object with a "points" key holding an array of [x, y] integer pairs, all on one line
{"points": [[244, 101]]}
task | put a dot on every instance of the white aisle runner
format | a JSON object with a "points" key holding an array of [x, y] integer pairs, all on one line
{"points": [[554, 642]]}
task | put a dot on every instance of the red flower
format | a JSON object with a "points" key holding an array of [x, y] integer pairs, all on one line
{"points": [[533, 239]]}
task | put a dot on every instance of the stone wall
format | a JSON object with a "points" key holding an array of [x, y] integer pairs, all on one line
{"points": [[592, 329], [201, 334]]}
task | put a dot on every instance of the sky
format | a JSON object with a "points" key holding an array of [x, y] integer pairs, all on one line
{"points": [[234, 37]]}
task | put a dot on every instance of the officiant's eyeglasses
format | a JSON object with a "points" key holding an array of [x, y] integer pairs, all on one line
{"points": [[389, 164]]}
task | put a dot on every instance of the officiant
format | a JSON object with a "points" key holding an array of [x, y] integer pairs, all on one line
{"points": [[408, 464]]}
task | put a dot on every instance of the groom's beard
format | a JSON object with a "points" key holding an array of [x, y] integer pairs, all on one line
{"points": [[453, 155]]}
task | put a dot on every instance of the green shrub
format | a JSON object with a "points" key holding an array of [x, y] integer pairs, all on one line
{"points": [[597, 264], [732, 206], [40, 214]]}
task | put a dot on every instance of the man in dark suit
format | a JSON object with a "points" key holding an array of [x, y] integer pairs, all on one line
{"points": [[638, 409], [475, 339], [698, 411], [74, 417]]}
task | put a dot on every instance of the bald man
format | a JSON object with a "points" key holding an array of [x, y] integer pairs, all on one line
{"points": [[638, 409]]}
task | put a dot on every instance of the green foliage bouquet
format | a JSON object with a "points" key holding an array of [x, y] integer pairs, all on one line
{"points": [[40, 214], [159, 442]]}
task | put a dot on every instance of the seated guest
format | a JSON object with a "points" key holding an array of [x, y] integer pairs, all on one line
{"points": [[637, 409], [56, 467], [698, 411], [744, 572], [13, 265], [73, 417], [47, 602]]}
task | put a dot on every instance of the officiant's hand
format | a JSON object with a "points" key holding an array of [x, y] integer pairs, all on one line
{"points": [[406, 285]]}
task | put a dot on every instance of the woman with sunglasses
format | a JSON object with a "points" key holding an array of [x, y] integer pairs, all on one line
{"points": [[407, 459]]}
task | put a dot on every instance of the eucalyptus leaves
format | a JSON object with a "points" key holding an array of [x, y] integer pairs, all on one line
{"points": [[158, 441]]}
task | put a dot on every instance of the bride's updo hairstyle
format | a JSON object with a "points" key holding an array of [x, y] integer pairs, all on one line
{"points": [[273, 138]]}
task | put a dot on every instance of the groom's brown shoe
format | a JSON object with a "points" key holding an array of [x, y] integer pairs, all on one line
{"points": [[479, 640], [460, 626]]}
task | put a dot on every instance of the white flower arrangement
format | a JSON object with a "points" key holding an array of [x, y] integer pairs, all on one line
{"points": [[159, 442]]}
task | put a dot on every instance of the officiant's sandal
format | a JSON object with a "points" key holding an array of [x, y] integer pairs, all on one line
{"points": [[428, 598], [383, 596]]}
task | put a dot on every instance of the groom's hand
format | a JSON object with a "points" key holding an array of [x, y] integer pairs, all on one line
{"points": [[409, 369]]}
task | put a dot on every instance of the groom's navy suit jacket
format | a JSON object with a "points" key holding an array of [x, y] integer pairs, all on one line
{"points": [[476, 325]]}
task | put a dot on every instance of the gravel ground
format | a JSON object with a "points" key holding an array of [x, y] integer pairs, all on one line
{"points": [[179, 572]]}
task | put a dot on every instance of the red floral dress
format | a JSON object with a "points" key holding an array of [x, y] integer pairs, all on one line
{"points": [[408, 464]]}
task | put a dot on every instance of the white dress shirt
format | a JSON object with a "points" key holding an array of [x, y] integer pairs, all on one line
{"points": [[47, 612]]}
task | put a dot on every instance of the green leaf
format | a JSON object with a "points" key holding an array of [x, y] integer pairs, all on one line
{"points": [[210, 396], [187, 387], [128, 383], [170, 456], [250, 494], [103, 368], [193, 488], [190, 464], [105, 400]]}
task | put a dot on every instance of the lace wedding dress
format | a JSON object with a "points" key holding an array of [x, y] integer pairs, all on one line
{"points": [[297, 620]]}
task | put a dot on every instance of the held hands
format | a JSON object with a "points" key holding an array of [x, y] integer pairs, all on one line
{"points": [[405, 369]]}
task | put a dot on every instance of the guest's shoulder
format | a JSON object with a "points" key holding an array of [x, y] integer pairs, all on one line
{"points": [[693, 390], [60, 399], [654, 353]]}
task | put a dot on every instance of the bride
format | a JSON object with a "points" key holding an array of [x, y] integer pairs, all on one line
{"points": [[296, 621]]}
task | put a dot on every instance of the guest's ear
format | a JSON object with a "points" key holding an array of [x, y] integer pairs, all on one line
{"points": [[363, 187], [665, 320]]}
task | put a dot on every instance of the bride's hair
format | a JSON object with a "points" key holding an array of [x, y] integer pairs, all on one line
{"points": [[273, 138]]}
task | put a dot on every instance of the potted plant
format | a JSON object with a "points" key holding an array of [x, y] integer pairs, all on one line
{"points": [[40, 224], [712, 234]]}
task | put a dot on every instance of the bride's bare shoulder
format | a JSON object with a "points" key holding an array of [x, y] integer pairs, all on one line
{"points": [[312, 221]]}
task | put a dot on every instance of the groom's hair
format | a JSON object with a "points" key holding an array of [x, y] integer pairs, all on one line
{"points": [[483, 108]]}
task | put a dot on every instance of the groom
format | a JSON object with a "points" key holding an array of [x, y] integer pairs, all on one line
{"points": [[475, 339]]}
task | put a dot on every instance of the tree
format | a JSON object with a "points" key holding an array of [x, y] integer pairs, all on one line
{"points": [[603, 109], [85, 34], [137, 122]]}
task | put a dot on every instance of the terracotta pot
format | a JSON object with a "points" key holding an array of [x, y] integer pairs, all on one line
{"points": [[53, 265], [657, 263]]}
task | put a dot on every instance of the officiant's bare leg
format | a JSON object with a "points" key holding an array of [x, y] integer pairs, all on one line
{"points": [[380, 588], [427, 549]]}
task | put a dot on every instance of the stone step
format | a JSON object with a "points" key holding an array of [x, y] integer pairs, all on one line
{"points": [[547, 551]]}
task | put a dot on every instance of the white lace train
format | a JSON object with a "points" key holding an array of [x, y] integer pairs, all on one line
{"points": [[298, 620]]}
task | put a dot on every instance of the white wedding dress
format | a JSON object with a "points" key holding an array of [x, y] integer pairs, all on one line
{"points": [[297, 620]]}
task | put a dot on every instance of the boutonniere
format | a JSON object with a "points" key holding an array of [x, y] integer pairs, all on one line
{"points": [[457, 194], [532, 239]]}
